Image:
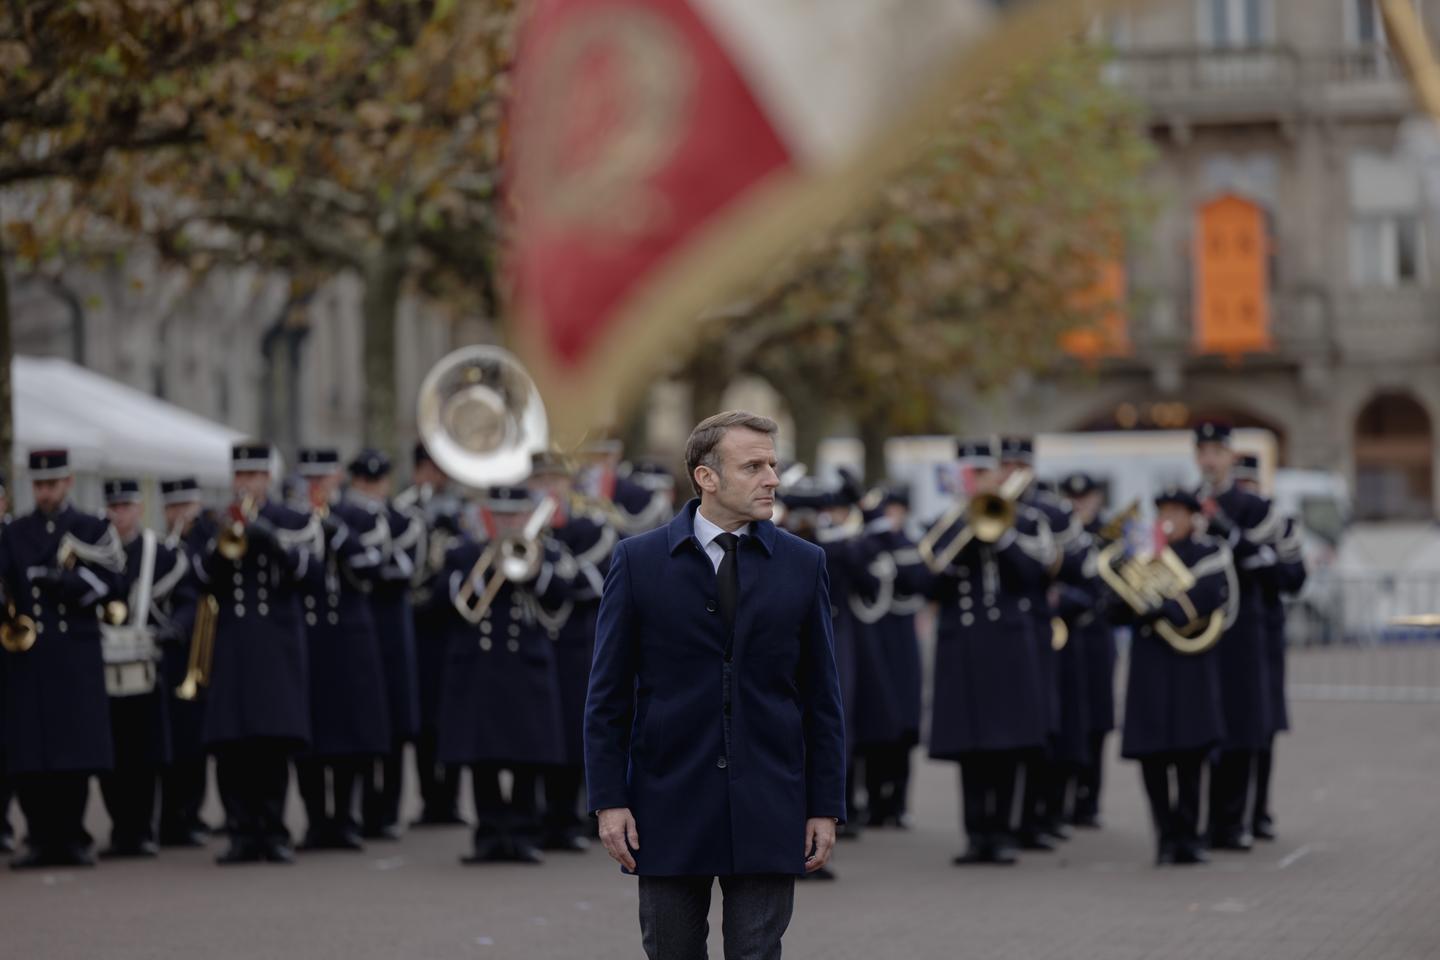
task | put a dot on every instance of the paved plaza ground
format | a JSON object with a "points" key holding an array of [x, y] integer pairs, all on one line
{"points": [[1355, 875]]}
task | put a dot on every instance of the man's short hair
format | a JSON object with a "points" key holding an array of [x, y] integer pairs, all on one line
{"points": [[700, 448]]}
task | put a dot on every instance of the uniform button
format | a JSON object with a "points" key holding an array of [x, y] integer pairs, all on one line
{"points": [[1024, 605], [239, 579], [332, 618], [486, 644], [512, 645], [310, 601], [239, 609], [722, 763], [994, 613], [711, 606], [39, 627], [264, 608], [554, 634], [35, 592], [486, 626], [49, 526], [967, 619], [310, 619], [966, 603], [64, 627], [513, 629], [963, 571], [60, 607], [239, 594], [261, 560], [965, 586]]}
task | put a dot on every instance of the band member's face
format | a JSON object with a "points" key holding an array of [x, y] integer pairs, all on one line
{"points": [[429, 475], [509, 523], [1215, 461], [1087, 507], [252, 483], [125, 517], [556, 485], [50, 494], [743, 487], [1249, 486], [378, 488], [984, 480], [322, 489], [1176, 521], [1008, 468], [180, 515], [897, 514]]}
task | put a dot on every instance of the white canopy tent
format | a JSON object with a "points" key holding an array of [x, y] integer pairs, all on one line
{"points": [[110, 428]]}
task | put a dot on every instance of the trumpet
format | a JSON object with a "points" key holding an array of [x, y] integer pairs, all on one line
{"points": [[513, 559], [986, 517], [202, 649], [1145, 581], [231, 542]]}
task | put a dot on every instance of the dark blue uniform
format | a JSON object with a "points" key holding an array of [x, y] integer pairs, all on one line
{"points": [[1285, 578], [1251, 528], [430, 610], [349, 714], [1173, 710], [1089, 623], [57, 714], [395, 626], [257, 713], [989, 704], [590, 539], [500, 698], [184, 780], [140, 724]]}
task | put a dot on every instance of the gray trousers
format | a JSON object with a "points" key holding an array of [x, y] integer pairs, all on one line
{"points": [[675, 911]]}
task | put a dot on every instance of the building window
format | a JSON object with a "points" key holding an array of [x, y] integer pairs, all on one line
{"points": [[1393, 457], [1386, 250], [1230, 24], [1367, 27], [1232, 270]]}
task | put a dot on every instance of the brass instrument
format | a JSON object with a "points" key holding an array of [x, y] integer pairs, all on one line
{"points": [[17, 630], [1145, 581], [986, 518], [481, 417], [231, 542], [202, 649], [1114, 528], [66, 557], [1059, 634], [515, 559]]}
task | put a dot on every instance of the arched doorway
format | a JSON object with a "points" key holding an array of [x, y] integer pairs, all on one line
{"points": [[1394, 450]]}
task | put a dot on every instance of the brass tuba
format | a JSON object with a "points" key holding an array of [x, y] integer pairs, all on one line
{"points": [[986, 517], [1145, 581]]}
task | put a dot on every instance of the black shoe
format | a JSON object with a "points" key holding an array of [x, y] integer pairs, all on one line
{"points": [[388, 831], [1086, 821], [1264, 829], [348, 838], [130, 850], [1033, 840], [1236, 841], [523, 851], [1190, 853], [33, 859], [182, 837], [278, 851], [74, 856], [565, 841], [239, 851], [1165, 855], [976, 851], [7, 843], [1056, 830], [489, 850], [1002, 853]]}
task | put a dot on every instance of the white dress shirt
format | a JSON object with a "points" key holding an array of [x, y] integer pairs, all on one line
{"points": [[706, 532]]}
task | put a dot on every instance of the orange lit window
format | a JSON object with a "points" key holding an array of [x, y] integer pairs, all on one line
{"points": [[1232, 300], [1107, 336]]}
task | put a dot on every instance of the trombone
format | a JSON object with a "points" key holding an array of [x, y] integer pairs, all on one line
{"points": [[514, 559], [1145, 581], [202, 649], [986, 517]]}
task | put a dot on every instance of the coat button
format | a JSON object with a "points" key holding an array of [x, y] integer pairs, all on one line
{"points": [[239, 580], [1024, 604], [722, 763], [513, 629], [35, 592], [512, 645], [486, 643], [310, 619], [39, 628], [966, 619], [239, 609], [263, 608], [239, 594], [994, 613], [965, 586], [64, 626], [966, 603], [60, 607], [485, 626], [332, 618], [310, 601], [261, 560], [711, 606]]}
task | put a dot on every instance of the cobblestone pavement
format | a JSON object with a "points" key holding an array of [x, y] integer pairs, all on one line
{"points": [[1354, 876]]}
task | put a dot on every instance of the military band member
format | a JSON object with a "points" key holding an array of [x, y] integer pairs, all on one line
{"points": [[58, 566], [257, 714], [1279, 580], [139, 698], [1096, 635], [183, 782], [590, 537], [394, 625], [349, 714], [1251, 528], [429, 500], [988, 707], [7, 791], [643, 499], [500, 696], [1173, 715]]}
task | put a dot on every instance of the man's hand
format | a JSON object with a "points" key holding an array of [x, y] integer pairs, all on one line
{"points": [[618, 833], [819, 841]]}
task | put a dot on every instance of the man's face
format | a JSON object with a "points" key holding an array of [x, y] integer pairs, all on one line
{"points": [[322, 489], [745, 481], [897, 514], [180, 515], [1087, 507], [555, 485], [125, 517], [252, 483], [427, 474], [51, 494], [377, 489], [985, 480], [1214, 461], [1008, 468], [509, 523], [1176, 521]]}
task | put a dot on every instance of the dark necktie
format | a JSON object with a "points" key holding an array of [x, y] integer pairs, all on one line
{"points": [[728, 586]]}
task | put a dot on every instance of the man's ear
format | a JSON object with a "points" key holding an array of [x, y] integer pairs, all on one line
{"points": [[706, 479]]}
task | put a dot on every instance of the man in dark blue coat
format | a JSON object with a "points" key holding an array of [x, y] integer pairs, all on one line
{"points": [[989, 703], [395, 627], [714, 738], [1173, 715], [257, 714], [349, 715], [185, 779], [500, 705], [430, 501], [1251, 528], [139, 698], [7, 789], [59, 567]]}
